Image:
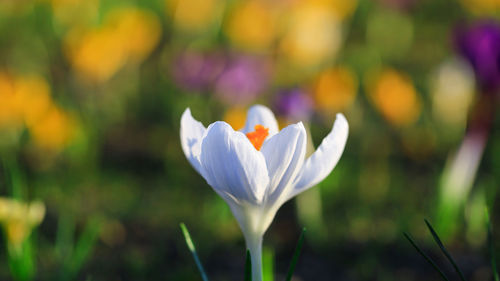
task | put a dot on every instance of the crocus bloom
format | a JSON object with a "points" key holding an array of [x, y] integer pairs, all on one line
{"points": [[242, 81], [294, 104], [259, 168], [480, 45], [197, 71], [18, 219], [394, 95], [335, 89]]}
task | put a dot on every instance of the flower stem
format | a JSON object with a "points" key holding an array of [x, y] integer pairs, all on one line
{"points": [[254, 245]]}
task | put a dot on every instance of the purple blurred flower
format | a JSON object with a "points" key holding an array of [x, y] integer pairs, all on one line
{"points": [[197, 71], [294, 104], [242, 81], [480, 45]]}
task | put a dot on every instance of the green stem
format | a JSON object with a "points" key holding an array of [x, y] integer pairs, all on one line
{"points": [[254, 245]]}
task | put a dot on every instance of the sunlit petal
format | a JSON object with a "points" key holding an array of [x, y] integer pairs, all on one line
{"points": [[284, 153], [231, 165], [324, 159], [192, 132]]}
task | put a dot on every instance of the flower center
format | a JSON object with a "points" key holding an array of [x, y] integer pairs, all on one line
{"points": [[258, 136]]}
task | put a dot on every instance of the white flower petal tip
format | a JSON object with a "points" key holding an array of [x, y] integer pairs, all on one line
{"points": [[341, 122], [325, 158], [261, 115], [192, 132], [231, 165]]}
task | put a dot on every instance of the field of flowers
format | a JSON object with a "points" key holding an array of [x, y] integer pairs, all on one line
{"points": [[359, 119]]}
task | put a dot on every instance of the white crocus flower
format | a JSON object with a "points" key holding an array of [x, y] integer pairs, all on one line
{"points": [[259, 168]]}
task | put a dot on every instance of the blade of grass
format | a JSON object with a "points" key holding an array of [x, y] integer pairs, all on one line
{"points": [[84, 247], [491, 248], [14, 179], [443, 249], [248, 267], [191, 247], [296, 254], [427, 258], [268, 264]]}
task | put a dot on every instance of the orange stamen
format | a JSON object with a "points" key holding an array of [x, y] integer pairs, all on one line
{"points": [[258, 136]]}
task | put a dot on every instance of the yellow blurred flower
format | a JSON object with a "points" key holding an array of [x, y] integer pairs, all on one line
{"points": [[453, 91], [235, 117], [394, 95], [139, 31], [18, 219], [313, 35], [253, 25], [335, 89], [26, 102], [195, 15], [127, 35], [33, 95], [482, 6], [342, 8], [96, 54], [54, 131], [10, 115]]}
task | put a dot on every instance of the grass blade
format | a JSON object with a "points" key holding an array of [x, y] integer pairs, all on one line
{"points": [[84, 247], [296, 254], [443, 249], [191, 247], [268, 264], [248, 267], [491, 248], [427, 258]]}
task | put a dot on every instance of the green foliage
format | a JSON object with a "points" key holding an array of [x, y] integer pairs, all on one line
{"points": [[78, 253], [427, 258], [443, 249], [268, 264], [21, 262], [296, 255], [491, 248], [192, 249]]}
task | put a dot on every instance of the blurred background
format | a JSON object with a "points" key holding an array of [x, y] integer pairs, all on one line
{"points": [[94, 183]]}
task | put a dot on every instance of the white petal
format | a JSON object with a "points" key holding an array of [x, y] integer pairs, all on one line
{"points": [[324, 159], [284, 153], [260, 115], [232, 166], [192, 132]]}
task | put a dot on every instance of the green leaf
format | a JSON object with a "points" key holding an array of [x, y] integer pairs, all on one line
{"points": [[443, 249], [491, 248], [427, 258], [82, 249], [268, 264], [14, 178], [296, 254], [248, 267], [21, 261], [65, 236], [192, 249]]}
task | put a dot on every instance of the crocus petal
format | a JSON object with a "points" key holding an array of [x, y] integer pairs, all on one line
{"points": [[232, 166], [260, 115], [284, 153], [324, 159], [192, 133]]}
